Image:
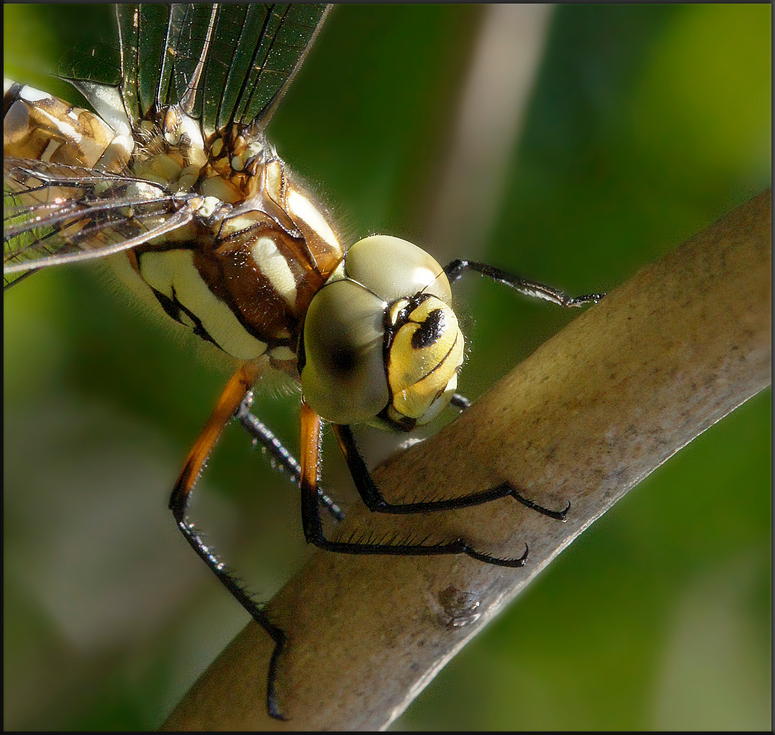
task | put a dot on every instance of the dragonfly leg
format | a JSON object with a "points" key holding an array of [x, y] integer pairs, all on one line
{"points": [[460, 401], [279, 455], [376, 501], [313, 526], [231, 398], [530, 288]]}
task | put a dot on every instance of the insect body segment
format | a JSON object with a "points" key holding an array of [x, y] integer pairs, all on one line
{"points": [[247, 271], [38, 126]]}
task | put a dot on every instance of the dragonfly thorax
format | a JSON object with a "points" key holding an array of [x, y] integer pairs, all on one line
{"points": [[243, 271], [170, 150]]}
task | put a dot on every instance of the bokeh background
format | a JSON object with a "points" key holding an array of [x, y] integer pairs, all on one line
{"points": [[645, 123]]}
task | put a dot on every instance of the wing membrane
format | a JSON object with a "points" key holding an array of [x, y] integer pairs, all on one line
{"points": [[260, 49], [56, 214], [224, 64]]}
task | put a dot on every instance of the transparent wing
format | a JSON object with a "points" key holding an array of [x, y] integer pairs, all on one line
{"points": [[259, 49], [57, 214], [223, 63]]}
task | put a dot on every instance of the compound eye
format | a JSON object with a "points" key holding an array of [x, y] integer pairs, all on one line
{"points": [[425, 355], [396, 269], [343, 378]]}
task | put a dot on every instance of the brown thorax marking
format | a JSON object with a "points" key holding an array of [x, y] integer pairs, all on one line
{"points": [[259, 243], [250, 213]]}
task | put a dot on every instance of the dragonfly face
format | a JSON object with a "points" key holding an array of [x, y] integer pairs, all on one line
{"points": [[174, 182]]}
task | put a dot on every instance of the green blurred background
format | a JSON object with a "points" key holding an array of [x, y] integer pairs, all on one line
{"points": [[645, 124]]}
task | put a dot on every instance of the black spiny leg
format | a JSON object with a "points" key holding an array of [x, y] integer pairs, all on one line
{"points": [[460, 401], [530, 288], [375, 500], [229, 402], [310, 506], [278, 453]]}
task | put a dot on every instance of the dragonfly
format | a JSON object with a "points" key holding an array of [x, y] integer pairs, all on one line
{"points": [[169, 178]]}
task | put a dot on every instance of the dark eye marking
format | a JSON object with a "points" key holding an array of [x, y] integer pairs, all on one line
{"points": [[343, 359], [430, 330]]}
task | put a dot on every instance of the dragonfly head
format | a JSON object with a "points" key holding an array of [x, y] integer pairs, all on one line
{"points": [[381, 343]]}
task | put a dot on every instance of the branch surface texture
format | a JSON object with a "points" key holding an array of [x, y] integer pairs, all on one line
{"points": [[584, 419]]}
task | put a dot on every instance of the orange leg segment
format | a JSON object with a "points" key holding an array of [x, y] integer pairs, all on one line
{"points": [[310, 473], [231, 398]]}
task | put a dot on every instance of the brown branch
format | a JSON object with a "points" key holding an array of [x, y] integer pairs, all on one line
{"points": [[584, 419]]}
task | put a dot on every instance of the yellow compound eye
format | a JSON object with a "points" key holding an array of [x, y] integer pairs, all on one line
{"points": [[425, 355]]}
